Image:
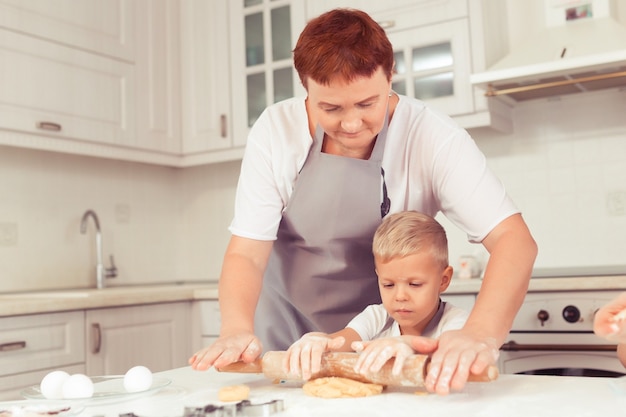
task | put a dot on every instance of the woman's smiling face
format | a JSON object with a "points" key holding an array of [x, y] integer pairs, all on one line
{"points": [[410, 287], [351, 114]]}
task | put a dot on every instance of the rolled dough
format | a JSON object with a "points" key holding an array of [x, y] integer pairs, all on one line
{"points": [[233, 393], [337, 387]]}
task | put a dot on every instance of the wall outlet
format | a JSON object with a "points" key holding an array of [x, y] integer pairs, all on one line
{"points": [[8, 234], [616, 203]]}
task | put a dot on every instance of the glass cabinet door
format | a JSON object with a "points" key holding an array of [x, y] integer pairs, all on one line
{"points": [[265, 70], [433, 64]]}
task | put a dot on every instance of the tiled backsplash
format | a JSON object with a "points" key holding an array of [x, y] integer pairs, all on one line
{"points": [[565, 166]]}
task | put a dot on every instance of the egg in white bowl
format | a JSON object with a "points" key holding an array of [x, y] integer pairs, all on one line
{"points": [[137, 379], [51, 385], [78, 386]]}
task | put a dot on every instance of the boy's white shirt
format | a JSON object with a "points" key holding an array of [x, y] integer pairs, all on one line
{"points": [[374, 322]]}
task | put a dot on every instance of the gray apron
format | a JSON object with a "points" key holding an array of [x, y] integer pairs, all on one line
{"points": [[321, 270]]}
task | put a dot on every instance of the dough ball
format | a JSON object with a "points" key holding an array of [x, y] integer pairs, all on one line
{"points": [[51, 386], [137, 378], [78, 386], [337, 387], [233, 393]]}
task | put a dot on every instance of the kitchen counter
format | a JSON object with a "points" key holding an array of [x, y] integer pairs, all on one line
{"points": [[80, 299], [13, 304], [510, 395]]}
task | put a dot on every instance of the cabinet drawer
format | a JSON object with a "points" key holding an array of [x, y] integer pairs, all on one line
{"points": [[29, 343], [210, 318], [52, 90]]}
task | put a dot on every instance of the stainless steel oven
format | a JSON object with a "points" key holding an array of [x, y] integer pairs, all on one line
{"points": [[553, 335]]}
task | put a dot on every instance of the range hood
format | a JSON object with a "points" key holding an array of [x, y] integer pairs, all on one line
{"points": [[586, 54]]}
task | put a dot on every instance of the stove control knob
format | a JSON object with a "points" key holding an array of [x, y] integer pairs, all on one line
{"points": [[543, 316], [571, 314]]}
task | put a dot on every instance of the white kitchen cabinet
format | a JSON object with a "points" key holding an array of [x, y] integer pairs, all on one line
{"points": [[463, 301], [437, 45], [263, 34], [33, 345], [208, 322], [158, 77], [103, 27], [206, 80], [56, 97], [156, 336]]}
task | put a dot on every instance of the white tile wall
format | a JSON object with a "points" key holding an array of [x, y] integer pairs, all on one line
{"points": [[561, 164]]}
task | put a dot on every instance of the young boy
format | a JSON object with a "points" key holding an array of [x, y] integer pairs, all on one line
{"points": [[411, 258]]}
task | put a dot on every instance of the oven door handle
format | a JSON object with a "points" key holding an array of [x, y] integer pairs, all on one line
{"points": [[513, 346]]}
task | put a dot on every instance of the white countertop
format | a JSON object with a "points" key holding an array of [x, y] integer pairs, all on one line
{"points": [[12, 304], [510, 395]]}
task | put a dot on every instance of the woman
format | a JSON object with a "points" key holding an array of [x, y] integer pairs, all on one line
{"points": [[318, 176]]}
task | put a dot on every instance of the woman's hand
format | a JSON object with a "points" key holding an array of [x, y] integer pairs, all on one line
{"points": [[459, 353], [610, 320], [375, 353], [304, 357], [226, 350]]}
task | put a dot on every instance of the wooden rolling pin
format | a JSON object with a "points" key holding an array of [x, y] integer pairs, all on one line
{"points": [[341, 364]]}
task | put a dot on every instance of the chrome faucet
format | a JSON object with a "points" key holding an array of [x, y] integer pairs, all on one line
{"points": [[101, 271]]}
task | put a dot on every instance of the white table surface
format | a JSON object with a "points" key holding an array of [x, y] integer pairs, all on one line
{"points": [[509, 396]]}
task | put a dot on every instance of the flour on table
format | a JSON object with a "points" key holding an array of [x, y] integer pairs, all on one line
{"points": [[337, 387]]}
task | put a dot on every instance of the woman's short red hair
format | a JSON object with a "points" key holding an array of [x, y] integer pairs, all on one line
{"points": [[344, 43]]}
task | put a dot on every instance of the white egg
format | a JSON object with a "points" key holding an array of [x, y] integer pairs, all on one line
{"points": [[138, 378], [78, 386], [51, 386]]}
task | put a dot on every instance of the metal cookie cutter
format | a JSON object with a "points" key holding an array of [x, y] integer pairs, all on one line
{"points": [[241, 409]]}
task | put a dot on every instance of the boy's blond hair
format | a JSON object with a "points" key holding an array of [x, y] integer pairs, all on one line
{"points": [[408, 232]]}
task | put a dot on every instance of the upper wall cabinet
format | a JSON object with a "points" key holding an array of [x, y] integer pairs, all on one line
{"points": [[206, 80], [157, 67], [437, 45], [62, 96], [263, 34], [103, 27], [97, 78]]}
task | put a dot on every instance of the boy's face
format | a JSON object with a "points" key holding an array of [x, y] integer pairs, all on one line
{"points": [[410, 288]]}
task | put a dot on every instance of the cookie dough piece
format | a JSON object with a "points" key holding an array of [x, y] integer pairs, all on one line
{"points": [[233, 393], [337, 387]]}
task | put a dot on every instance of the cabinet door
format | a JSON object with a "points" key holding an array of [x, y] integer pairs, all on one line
{"points": [[55, 91], [156, 336], [433, 64], [41, 341], [205, 76], [158, 77], [104, 27], [263, 34]]}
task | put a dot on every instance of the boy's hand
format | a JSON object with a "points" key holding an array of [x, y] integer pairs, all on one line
{"points": [[375, 353], [304, 357]]}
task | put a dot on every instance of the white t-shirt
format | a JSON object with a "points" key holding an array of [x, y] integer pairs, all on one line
{"points": [[374, 322], [430, 165]]}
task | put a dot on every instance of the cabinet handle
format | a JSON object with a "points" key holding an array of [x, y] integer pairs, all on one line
{"points": [[55, 127], [95, 327], [6, 347], [386, 24], [223, 126]]}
